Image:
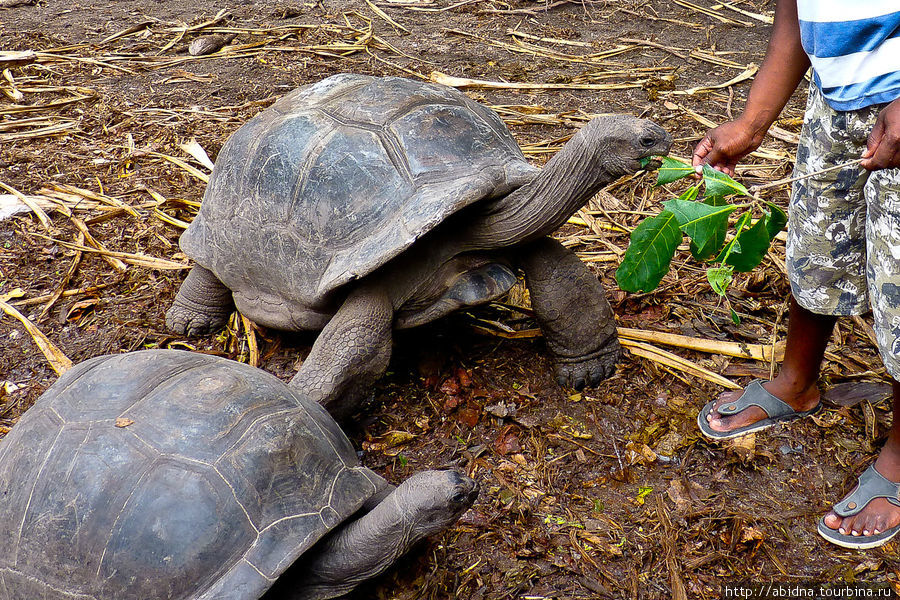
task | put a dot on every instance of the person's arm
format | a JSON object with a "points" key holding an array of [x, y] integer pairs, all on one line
{"points": [[781, 72], [883, 148]]}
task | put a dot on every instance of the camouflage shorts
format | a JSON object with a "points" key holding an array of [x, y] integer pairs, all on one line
{"points": [[843, 248]]}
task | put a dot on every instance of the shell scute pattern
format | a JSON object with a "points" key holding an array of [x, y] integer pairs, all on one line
{"points": [[435, 137], [187, 525], [272, 171], [346, 173], [224, 471], [348, 187]]}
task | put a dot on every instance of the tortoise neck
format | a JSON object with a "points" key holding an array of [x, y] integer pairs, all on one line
{"points": [[354, 552], [543, 205]]}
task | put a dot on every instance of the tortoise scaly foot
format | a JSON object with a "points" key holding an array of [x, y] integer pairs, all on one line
{"points": [[203, 304], [588, 371], [571, 307]]}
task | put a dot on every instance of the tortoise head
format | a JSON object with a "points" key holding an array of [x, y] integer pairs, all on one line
{"points": [[617, 143], [431, 501], [605, 149]]}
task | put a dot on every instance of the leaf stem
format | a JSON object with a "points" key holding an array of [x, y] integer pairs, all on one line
{"points": [[849, 163], [738, 228]]}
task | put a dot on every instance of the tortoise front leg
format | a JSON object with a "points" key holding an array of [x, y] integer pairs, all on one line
{"points": [[571, 307], [350, 354], [202, 304]]}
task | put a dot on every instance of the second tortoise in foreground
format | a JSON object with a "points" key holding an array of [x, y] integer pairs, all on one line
{"points": [[358, 204], [171, 475]]}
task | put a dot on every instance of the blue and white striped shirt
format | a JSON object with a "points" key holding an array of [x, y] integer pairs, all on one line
{"points": [[854, 47]]}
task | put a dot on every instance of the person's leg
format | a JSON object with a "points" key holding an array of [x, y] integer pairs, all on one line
{"points": [[883, 272], [879, 515], [825, 257], [807, 338]]}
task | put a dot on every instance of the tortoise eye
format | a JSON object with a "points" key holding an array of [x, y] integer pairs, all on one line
{"points": [[648, 141]]}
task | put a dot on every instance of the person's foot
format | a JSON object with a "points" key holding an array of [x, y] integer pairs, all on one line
{"points": [[801, 400], [878, 515]]}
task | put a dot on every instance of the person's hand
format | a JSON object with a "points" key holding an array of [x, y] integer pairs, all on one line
{"points": [[722, 147], [883, 146]]}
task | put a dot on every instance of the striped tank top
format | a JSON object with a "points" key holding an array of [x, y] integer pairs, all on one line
{"points": [[854, 47]]}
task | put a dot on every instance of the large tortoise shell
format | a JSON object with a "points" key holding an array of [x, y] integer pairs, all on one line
{"points": [[217, 477], [338, 177]]}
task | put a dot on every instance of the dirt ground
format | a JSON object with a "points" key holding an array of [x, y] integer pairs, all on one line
{"points": [[607, 493]]}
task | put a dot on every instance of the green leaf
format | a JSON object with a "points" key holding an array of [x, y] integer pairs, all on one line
{"points": [[672, 170], [734, 244], [719, 185], [653, 244], [735, 318], [752, 245], [706, 225], [714, 200], [775, 221], [719, 278], [690, 194], [713, 243]]}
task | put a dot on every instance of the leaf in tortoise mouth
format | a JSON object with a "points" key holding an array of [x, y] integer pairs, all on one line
{"points": [[650, 163], [672, 169]]}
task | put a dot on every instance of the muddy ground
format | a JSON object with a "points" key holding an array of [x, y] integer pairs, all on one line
{"points": [[607, 493]]}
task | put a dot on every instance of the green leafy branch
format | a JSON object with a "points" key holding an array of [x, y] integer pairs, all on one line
{"points": [[705, 220]]}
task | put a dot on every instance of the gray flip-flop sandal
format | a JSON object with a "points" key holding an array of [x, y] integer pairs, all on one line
{"points": [[754, 394], [872, 484]]}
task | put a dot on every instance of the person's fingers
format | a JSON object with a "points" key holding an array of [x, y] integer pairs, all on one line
{"points": [[882, 147], [884, 156], [717, 159], [728, 170], [874, 139], [701, 151], [870, 163], [721, 148]]}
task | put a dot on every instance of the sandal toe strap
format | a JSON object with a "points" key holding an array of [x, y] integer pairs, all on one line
{"points": [[872, 484], [756, 395]]}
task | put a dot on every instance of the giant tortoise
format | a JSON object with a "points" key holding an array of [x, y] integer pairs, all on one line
{"points": [[360, 204], [165, 474]]}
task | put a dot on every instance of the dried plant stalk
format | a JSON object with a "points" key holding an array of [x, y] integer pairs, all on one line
{"points": [[58, 361], [758, 352], [676, 362]]}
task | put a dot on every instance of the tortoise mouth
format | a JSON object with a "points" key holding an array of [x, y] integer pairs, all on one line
{"points": [[472, 494], [651, 163], [466, 490]]}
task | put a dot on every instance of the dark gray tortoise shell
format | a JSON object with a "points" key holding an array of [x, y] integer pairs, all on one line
{"points": [[215, 480]]}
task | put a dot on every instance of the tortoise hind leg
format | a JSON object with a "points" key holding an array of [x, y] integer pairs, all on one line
{"points": [[571, 307], [202, 305], [352, 351]]}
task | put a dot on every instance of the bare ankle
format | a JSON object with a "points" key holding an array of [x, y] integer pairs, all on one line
{"points": [[888, 461], [800, 394]]}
